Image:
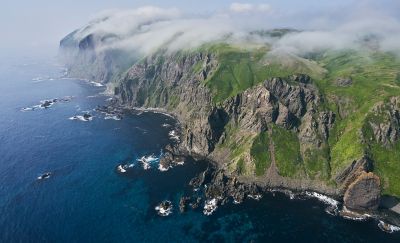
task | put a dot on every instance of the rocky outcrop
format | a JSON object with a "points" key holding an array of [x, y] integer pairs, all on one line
{"points": [[344, 82], [290, 103], [353, 171], [361, 188], [364, 193], [171, 157], [384, 121], [221, 187]]}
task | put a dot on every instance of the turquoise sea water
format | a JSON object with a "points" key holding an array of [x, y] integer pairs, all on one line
{"points": [[86, 200]]}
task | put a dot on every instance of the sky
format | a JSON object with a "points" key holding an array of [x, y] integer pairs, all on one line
{"points": [[40, 24]]}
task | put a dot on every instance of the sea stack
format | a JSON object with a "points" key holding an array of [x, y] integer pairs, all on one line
{"points": [[364, 193]]}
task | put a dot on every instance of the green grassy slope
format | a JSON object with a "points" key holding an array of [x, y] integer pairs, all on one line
{"points": [[240, 68], [375, 77]]}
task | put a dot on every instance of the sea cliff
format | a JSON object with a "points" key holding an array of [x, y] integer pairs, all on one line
{"points": [[328, 123]]}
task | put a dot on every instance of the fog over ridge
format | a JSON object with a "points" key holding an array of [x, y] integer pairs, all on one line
{"points": [[145, 29]]}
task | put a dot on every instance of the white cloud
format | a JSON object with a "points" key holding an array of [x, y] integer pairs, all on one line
{"points": [[146, 29], [123, 22], [241, 7], [247, 7]]}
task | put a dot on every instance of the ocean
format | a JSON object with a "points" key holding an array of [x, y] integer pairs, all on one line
{"points": [[86, 199]]}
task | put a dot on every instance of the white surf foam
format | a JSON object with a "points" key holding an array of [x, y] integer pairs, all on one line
{"points": [[108, 117], [388, 228], [255, 196], [181, 162], [162, 168], [322, 198], [164, 211], [121, 169], [173, 135], [348, 214], [27, 109], [81, 118], [96, 84], [210, 206]]}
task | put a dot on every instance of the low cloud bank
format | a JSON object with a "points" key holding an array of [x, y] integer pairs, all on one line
{"points": [[148, 28]]}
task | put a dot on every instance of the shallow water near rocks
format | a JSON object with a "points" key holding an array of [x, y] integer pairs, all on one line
{"points": [[86, 200]]}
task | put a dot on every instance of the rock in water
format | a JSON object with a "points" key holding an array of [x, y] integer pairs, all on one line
{"points": [[363, 193], [183, 204], [165, 208]]}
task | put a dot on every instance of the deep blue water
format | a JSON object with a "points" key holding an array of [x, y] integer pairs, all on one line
{"points": [[86, 200]]}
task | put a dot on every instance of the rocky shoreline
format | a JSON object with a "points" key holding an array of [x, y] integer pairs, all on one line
{"points": [[216, 187]]}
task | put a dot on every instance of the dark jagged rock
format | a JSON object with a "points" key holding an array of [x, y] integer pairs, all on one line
{"points": [[385, 122], [47, 103], [166, 160], [353, 171], [364, 193], [222, 187], [112, 110], [171, 157], [87, 116], [44, 176]]}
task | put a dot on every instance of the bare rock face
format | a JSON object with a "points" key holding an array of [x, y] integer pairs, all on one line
{"points": [[353, 171], [385, 122], [364, 193]]}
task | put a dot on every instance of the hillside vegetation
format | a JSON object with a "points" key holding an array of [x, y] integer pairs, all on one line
{"points": [[351, 83]]}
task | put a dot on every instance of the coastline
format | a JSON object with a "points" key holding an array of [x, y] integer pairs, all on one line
{"points": [[294, 188]]}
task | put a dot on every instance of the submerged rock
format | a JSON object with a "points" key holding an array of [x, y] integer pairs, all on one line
{"points": [[196, 203], [183, 204]]}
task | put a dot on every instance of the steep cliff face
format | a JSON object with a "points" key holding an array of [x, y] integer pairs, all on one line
{"points": [[381, 131], [84, 59], [169, 82], [290, 108], [278, 123], [384, 122], [286, 111]]}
